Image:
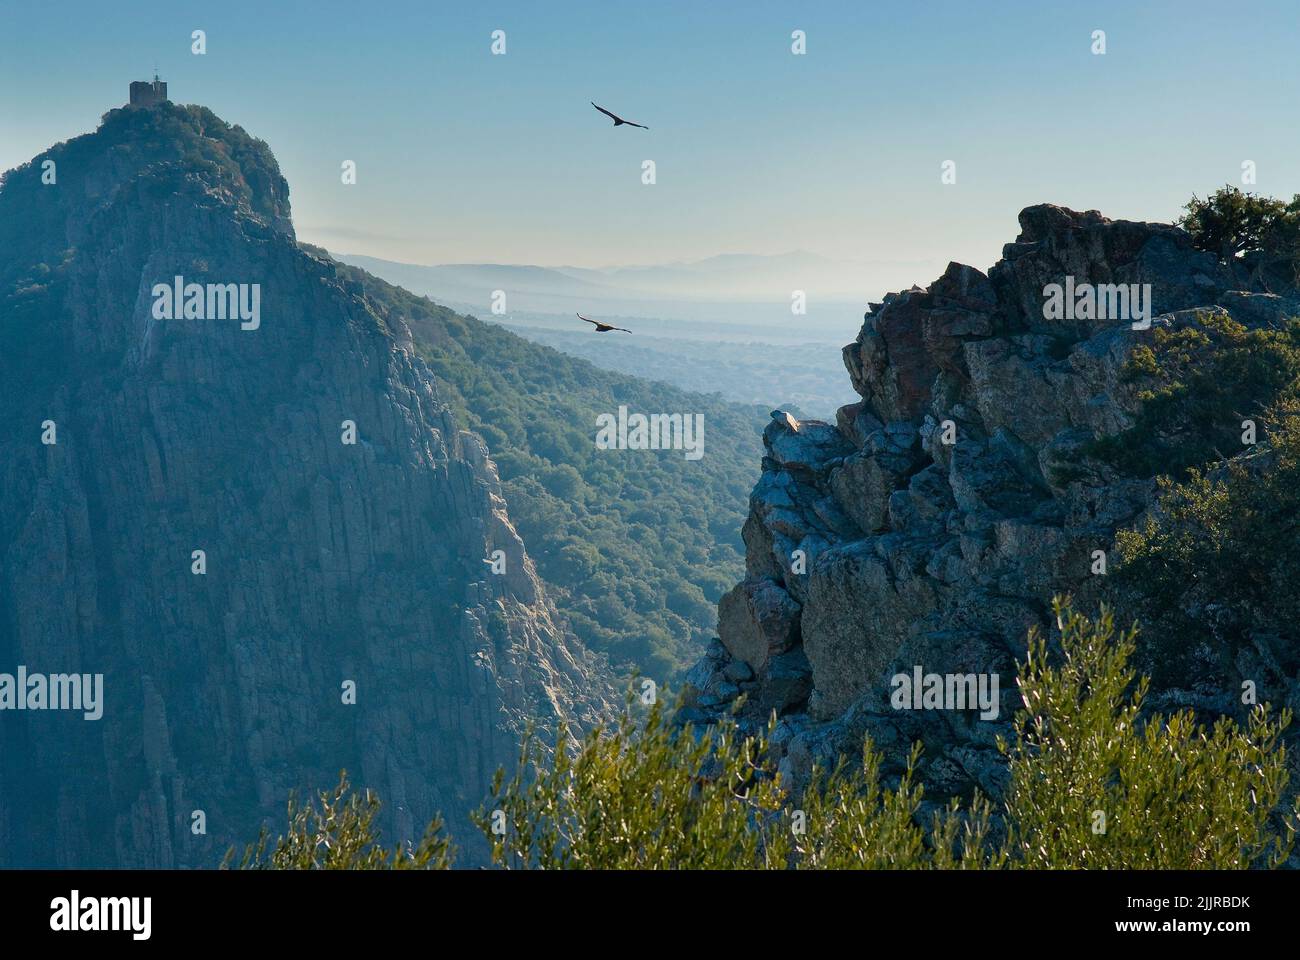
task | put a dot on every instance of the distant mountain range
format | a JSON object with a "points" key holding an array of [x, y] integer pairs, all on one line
{"points": [[745, 289]]}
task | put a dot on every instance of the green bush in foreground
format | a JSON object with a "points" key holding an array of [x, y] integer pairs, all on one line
{"points": [[337, 832], [639, 796], [1094, 783]]}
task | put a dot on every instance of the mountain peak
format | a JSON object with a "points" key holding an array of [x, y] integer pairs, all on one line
{"points": [[165, 145]]}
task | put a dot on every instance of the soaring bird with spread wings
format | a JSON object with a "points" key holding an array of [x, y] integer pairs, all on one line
{"points": [[618, 121], [602, 327]]}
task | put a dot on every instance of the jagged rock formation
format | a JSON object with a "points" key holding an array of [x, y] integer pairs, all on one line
{"points": [[874, 546], [326, 562]]}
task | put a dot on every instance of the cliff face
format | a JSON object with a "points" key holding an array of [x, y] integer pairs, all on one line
{"points": [[328, 564], [932, 523]]}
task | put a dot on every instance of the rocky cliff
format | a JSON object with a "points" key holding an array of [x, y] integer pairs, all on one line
{"points": [[932, 523], [331, 571]]}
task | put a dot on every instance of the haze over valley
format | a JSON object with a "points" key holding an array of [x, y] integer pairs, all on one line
{"points": [[723, 325]]}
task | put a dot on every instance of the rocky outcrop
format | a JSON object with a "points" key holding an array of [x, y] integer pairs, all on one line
{"points": [[931, 525], [346, 614]]}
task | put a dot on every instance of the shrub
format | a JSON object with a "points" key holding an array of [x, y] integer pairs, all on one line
{"points": [[636, 796], [1196, 385], [1096, 785], [1262, 231], [1215, 563], [854, 823], [338, 832]]}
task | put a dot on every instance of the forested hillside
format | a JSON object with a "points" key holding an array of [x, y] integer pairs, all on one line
{"points": [[639, 545]]}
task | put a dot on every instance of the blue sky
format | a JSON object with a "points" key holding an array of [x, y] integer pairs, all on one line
{"points": [[463, 156]]}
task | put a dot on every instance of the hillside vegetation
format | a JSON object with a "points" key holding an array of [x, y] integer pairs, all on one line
{"points": [[639, 545], [1213, 567]]}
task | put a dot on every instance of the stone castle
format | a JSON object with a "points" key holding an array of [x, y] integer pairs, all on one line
{"points": [[146, 94]]}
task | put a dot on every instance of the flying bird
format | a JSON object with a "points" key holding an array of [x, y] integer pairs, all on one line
{"points": [[602, 327], [618, 121]]}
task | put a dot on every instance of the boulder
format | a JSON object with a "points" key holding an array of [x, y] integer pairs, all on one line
{"points": [[756, 620]]}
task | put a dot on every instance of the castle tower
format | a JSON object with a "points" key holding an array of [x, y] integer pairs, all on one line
{"points": [[146, 94]]}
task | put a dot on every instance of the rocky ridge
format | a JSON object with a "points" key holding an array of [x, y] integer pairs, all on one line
{"points": [[874, 546]]}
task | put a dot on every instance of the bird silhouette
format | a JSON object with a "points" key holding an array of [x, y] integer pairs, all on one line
{"points": [[618, 121], [602, 327]]}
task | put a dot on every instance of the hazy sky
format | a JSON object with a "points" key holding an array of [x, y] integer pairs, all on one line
{"points": [[464, 156]]}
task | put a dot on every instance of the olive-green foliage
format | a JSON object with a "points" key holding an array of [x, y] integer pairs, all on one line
{"points": [[638, 796], [1263, 232], [1223, 541], [853, 822], [1197, 384], [1173, 795], [1211, 569], [337, 832], [653, 796], [638, 546], [1095, 784]]}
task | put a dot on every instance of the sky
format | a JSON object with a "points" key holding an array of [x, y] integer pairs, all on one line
{"points": [[465, 156]]}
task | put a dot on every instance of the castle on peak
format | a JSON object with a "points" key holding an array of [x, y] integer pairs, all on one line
{"points": [[147, 94]]}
